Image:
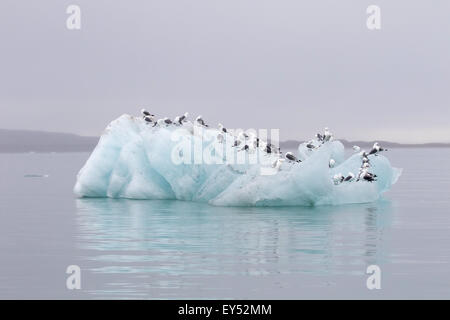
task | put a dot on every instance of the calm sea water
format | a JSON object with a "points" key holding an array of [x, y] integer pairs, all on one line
{"points": [[174, 249]]}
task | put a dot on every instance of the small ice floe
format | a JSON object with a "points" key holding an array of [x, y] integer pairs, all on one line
{"points": [[32, 175]]}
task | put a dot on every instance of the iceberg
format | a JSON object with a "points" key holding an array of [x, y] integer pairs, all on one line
{"points": [[135, 159]]}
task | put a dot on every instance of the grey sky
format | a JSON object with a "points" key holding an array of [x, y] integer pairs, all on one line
{"points": [[289, 64]]}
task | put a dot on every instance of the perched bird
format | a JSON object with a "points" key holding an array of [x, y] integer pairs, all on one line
{"points": [[159, 122], [365, 163], [148, 119], [327, 136], [200, 121], [350, 177], [331, 163], [364, 174], [338, 178], [319, 137], [221, 128], [146, 113], [277, 164], [376, 148], [256, 143], [367, 176], [310, 145], [245, 148], [243, 136], [291, 157], [364, 157], [167, 121], [270, 148], [183, 118]]}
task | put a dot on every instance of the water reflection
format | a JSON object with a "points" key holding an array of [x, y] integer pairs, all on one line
{"points": [[157, 248]]}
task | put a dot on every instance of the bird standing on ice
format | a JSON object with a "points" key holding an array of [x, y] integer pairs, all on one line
{"points": [[350, 177], [180, 119], [364, 157], [159, 122], [148, 119], [244, 148], [331, 163], [291, 157], [167, 121], [338, 178], [376, 148], [200, 121], [236, 143], [327, 136], [367, 176], [310, 145], [222, 128], [277, 164], [146, 113], [241, 138], [256, 143], [319, 137]]}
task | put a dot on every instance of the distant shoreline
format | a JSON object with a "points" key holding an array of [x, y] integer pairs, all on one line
{"points": [[369, 144], [24, 141]]}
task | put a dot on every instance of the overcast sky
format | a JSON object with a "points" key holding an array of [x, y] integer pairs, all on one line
{"points": [[289, 64]]}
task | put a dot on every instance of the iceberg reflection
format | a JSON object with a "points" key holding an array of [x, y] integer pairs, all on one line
{"points": [[157, 248]]}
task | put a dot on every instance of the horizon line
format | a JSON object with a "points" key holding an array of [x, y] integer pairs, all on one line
{"points": [[281, 141]]}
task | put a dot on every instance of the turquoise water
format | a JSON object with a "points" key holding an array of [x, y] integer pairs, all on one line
{"points": [[175, 249]]}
